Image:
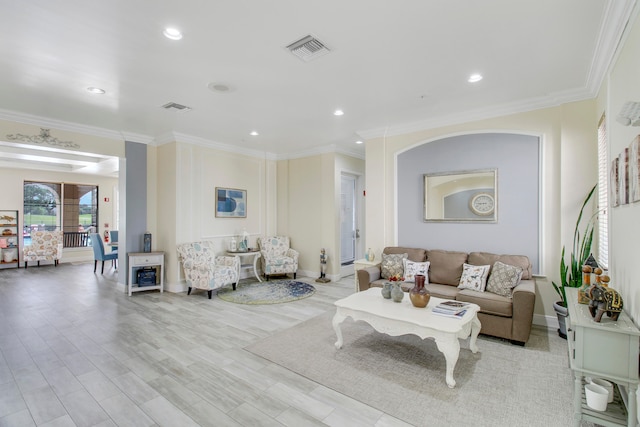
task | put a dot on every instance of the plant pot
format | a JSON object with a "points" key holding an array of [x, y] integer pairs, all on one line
{"points": [[562, 312]]}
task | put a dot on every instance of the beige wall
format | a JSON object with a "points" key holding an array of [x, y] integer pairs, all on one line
{"points": [[309, 199], [568, 150]]}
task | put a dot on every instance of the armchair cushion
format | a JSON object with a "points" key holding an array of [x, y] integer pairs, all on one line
{"points": [[45, 246], [204, 270], [277, 257]]}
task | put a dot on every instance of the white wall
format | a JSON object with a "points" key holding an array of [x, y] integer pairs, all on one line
{"points": [[12, 199], [624, 233], [187, 177]]}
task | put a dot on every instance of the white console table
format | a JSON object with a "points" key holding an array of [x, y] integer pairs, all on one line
{"points": [[608, 350], [145, 259]]}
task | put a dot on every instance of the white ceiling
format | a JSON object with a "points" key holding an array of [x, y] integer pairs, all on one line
{"points": [[394, 66]]}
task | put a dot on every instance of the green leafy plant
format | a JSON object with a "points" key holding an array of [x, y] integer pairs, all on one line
{"points": [[571, 274]]}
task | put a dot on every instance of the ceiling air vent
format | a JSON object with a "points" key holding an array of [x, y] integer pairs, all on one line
{"points": [[308, 48], [175, 106]]}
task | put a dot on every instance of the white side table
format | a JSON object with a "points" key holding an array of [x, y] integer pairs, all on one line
{"points": [[359, 265], [145, 259], [245, 254]]}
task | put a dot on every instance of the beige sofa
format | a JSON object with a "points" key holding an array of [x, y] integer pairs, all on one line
{"points": [[501, 316]]}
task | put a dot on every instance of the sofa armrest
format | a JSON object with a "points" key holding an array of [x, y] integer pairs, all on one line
{"points": [[366, 276], [524, 299]]}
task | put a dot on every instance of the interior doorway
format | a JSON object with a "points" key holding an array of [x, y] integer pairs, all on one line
{"points": [[348, 219]]}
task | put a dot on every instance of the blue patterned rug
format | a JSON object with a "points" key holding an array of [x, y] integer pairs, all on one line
{"points": [[271, 292]]}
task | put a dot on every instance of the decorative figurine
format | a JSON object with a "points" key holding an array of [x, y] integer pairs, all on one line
{"points": [[604, 299], [323, 267]]}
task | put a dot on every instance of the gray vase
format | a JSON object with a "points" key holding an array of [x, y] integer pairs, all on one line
{"points": [[396, 292], [386, 290]]}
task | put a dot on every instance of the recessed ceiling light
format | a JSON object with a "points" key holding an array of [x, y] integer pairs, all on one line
{"points": [[358, 142], [172, 33], [219, 87], [338, 113], [95, 90], [254, 133], [474, 78]]}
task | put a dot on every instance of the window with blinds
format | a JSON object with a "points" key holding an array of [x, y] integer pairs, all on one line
{"points": [[603, 195]]}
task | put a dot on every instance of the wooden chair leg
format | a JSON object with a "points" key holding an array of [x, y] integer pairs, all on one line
{"points": [[25, 264], [95, 265], [102, 272], [294, 275], [189, 291], [209, 293], [266, 277], [234, 285]]}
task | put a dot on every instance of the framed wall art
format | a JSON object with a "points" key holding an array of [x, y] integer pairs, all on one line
{"points": [[634, 170], [623, 176], [231, 203], [614, 183]]}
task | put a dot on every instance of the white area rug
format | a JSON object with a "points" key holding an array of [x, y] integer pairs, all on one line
{"points": [[501, 385]]}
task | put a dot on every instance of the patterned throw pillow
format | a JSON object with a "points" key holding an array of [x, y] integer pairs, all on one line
{"points": [[411, 268], [474, 277], [391, 265], [503, 279]]}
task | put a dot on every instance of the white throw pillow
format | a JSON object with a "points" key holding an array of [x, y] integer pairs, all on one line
{"points": [[411, 268], [474, 277]]}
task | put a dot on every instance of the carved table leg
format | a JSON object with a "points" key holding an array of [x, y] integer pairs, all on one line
{"points": [[337, 319], [451, 351], [475, 330]]}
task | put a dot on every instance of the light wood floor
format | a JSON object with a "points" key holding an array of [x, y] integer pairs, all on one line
{"points": [[75, 351]]}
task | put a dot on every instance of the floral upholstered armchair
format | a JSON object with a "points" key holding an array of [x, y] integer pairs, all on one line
{"points": [[45, 246], [277, 257], [204, 270]]}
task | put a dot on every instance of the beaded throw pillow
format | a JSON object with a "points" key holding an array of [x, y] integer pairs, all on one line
{"points": [[411, 268], [392, 264], [474, 277], [503, 279]]}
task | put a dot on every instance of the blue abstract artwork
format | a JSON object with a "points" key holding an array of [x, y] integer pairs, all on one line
{"points": [[231, 203]]}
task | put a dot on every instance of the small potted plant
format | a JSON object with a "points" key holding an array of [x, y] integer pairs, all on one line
{"points": [[571, 274]]}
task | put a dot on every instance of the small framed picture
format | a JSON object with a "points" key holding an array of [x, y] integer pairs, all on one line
{"points": [[634, 170], [231, 203]]}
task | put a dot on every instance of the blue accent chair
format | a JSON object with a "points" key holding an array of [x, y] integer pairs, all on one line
{"points": [[98, 252], [114, 239]]}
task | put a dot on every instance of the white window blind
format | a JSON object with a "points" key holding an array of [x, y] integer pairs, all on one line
{"points": [[603, 195]]}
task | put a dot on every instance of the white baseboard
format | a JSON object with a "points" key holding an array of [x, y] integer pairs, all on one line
{"points": [[549, 322]]}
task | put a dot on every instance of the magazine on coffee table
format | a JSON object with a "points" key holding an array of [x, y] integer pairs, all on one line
{"points": [[454, 314], [451, 308]]}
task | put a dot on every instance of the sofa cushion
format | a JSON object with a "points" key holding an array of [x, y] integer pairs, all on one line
{"points": [[474, 277], [442, 291], [503, 279], [411, 268], [484, 258], [414, 254], [392, 264], [446, 266], [489, 303]]}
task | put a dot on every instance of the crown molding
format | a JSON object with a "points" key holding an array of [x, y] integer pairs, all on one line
{"points": [[196, 140], [40, 121], [613, 26], [484, 113], [332, 148]]}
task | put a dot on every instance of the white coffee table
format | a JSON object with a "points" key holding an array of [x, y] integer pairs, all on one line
{"points": [[403, 318]]}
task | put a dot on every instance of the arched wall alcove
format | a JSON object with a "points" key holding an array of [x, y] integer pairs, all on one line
{"points": [[516, 157]]}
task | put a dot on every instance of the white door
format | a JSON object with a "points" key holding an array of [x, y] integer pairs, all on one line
{"points": [[348, 219]]}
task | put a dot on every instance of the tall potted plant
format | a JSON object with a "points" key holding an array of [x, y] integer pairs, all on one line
{"points": [[571, 274]]}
